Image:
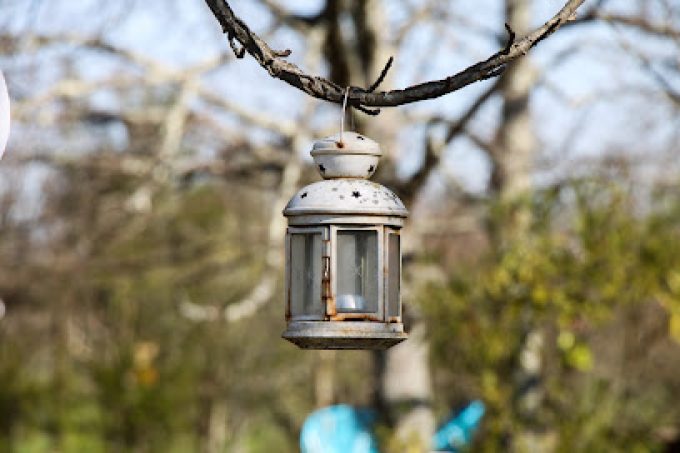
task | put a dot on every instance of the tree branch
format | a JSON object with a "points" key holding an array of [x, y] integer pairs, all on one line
{"points": [[325, 89]]}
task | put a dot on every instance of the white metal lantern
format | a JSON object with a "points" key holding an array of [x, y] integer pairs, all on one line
{"points": [[343, 254]]}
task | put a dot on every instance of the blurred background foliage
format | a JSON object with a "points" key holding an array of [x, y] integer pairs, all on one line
{"points": [[596, 276], [141, 228]]}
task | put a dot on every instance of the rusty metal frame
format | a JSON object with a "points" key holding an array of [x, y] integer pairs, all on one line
{"points": [[386, 269], [331, 311], [325, 237]]}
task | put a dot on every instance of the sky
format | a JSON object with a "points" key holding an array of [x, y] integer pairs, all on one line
{"points": [[594, 98]]}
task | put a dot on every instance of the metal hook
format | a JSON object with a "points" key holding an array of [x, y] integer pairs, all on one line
{"points": [[344, 113]]}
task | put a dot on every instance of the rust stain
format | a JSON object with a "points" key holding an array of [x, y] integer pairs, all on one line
{"points": [[326, 292], [355, 317]]}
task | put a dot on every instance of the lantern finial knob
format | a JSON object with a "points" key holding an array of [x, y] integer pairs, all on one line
{"points": [[349, 155]]}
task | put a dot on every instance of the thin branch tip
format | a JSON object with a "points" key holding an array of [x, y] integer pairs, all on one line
{"points": [[511, 40], [382, 75]]}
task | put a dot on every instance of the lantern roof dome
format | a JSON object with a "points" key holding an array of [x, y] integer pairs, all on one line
{"points": [[345, 196]]}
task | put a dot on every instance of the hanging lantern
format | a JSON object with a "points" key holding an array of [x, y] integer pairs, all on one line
{"points": [[343, 254]]}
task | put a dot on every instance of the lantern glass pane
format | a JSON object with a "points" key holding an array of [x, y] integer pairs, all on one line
{"points": [[357, 271], [393, 275], [305, 278]]}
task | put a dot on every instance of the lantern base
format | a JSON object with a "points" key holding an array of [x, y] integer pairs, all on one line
{"points": [[344, 334]]}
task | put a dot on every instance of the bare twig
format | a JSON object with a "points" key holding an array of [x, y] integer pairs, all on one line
{"points": [[459, 126], [511, 40], [382, 75], [408, 190], [325, 89], [648, 66]]}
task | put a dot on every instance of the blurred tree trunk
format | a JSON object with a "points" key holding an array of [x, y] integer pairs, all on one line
{"points": [[515, 144], [324, 379], [403, 381], [513, 154], [405, 388], [403, 391]]}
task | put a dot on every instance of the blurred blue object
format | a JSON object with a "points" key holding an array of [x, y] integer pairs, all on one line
{"points": [[344, 429], [339, 429], [458, 432]]}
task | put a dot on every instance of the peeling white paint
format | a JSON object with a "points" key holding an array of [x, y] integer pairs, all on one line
{"points": [[345, 196]]}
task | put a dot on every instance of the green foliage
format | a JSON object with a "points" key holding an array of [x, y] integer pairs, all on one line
{"points": [[584, 258], [98, 356]]}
